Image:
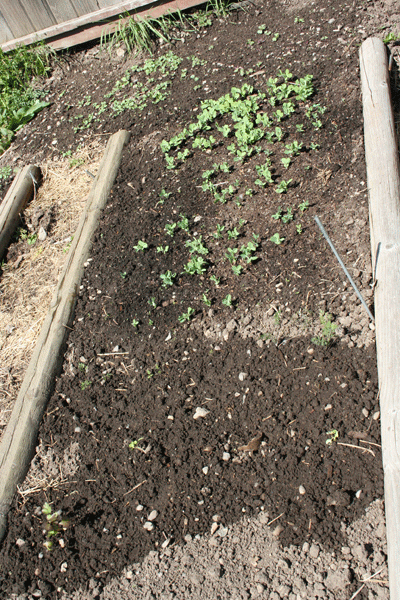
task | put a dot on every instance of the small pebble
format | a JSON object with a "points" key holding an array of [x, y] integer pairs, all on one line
{"points": [[139, 507], [152, 516], [216, 518], [365, 412], [188, 538], [277, 531], [63, 567], [222, 531], [200, 412], [205, 470], [314, 551], [20, 542], [376, 415], [302, 490], [358, 494], [148, 526], [214, 527], [242, 376], [226, 456], [165, 543]]}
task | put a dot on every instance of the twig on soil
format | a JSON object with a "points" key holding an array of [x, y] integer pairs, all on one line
{"points": [[113, 354], [135, 487], [273, 520], [359, 447], [357, 592], [371, 443], [371, 576]]}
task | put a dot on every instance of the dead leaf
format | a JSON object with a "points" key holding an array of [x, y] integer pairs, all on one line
{"points": [[253, 444]]}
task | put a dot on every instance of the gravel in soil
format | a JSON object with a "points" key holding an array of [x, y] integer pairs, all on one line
{"points": [[260, 402]]}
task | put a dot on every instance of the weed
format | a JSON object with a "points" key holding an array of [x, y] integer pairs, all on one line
{"points": [[288, 217], [170, 229], [205, 299], [135, 323], [328, 330], [304, 205], [82, 367], [152, 302], [184, 223], [218, 234], [5, 172], [299, 228], [278, 214], [283, 186], [85, 384], [215, 280], [163, 249], [123, 274], [237, 269], [55, 525], [278, 317], [233, 234]]}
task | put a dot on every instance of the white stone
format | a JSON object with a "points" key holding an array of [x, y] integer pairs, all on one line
{"points": [[200, 412]]}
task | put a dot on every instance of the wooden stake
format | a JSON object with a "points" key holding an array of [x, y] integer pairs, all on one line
{"points": [[383, 175]]}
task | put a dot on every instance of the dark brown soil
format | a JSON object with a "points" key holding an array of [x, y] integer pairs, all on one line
{"points": [[134, 375]]}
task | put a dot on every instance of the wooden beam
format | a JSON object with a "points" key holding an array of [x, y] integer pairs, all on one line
{"points": [[19, 440], [17, 197], [95, 23], [383, 175]]}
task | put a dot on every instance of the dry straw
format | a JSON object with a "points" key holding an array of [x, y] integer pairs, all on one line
{"points": [[31, 272]]}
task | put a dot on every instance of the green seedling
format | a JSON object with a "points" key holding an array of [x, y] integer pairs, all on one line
{"points": [[247, 252], [82, 367], [299, 228], [283, 186], [227, 301], [300, 128], [288, 217], [164, 195], [304, 205], [294, 148], [286, 161], [333, 436], [196, 245], [314, 146], [167, 278], [298, 20], [186, 316], [205, 299], [231, 255], [134, 444], [55, 524], [278, 214], [135, 323], [152, 302], [237, 269], [218, 234], [328, 330], [5, 172], [163, 249], [183, 223], [123, 274], [233, 234], [170, 229], [277, 239], [215, 280], [196, 266], [141, 246], [85, 385]]}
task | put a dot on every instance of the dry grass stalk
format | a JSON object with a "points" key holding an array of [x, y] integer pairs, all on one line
{"points": [[31, 272]]}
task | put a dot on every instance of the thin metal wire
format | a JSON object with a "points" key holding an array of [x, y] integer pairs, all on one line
{"points": [[326, 236]]}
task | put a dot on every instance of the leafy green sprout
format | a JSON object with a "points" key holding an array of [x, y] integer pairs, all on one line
{"points": [[5, 172], [283, 186], [55, 524], [304, 205], [215, 280], [237, 269], [205, 299], [288, 217], [218, 234], [141, 246], [277, 239], [328, 332], [162, 249], [231, 255], [183, 223], [285, 160], [135, 443], [123, 274], [227, 301], [170, 229], [333, 436], [85, 384], [196, 266], [167, 278], [135, 322], [233, 234], [187, 315], [152, 302], [299, 228], [278, 214], [82, 367]]}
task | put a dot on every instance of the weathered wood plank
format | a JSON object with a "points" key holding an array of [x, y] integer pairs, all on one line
{"points": [[38, 11], [5, 32], [17, 19], [19, 440], [20, 192], [383, 174], [91, 27], [64, 11]]}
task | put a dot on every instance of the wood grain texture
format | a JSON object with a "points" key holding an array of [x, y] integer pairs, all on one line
{"points": [[383, 175], [19, 440], [17, 197]]}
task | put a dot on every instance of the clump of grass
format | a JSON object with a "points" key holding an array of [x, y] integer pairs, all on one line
{"points": [[19, 100]]}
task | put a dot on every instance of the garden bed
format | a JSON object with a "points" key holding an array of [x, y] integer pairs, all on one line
{"points": [[220, 368]]}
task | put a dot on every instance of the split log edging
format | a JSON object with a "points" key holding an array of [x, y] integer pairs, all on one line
{"points": [[17, 197], [383, 176], [18, 444]]}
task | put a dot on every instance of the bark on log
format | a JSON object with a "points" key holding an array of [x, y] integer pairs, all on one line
{"points": [[17, 197], [19, 440], [383, 175]]}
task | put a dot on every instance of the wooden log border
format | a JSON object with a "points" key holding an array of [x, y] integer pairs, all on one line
{"points": [[18, 444], [383, 176], [21, 191]]}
